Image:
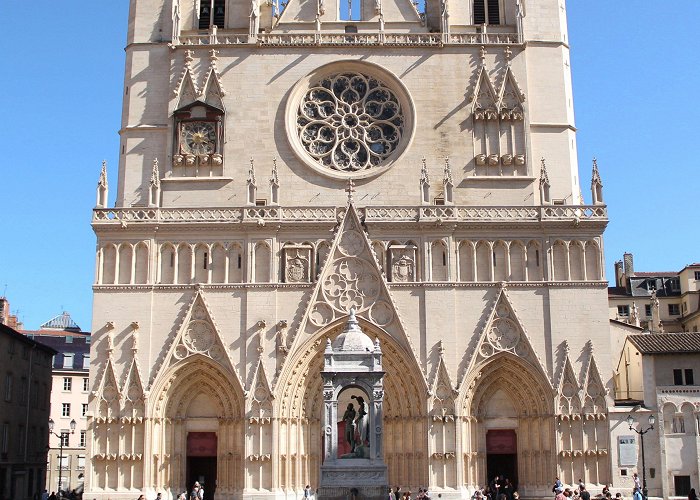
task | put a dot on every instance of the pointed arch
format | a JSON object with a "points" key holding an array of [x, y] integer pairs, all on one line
{"points": [[298, 404], [125, 257], [467, 260], [439, 261], [109, 264], [142, 261]]}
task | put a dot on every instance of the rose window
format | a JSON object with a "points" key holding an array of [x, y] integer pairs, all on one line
{"points": [[350, 122]]}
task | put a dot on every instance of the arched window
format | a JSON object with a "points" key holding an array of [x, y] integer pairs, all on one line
{"points": [[212, 13], [486, 12]]}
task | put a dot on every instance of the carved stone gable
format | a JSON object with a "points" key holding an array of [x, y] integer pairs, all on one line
{"points": [[198, 335], [351, 279], [504, 333], [569, 390], [485, 103]]}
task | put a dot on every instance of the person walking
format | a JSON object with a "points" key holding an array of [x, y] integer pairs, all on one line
{"points": [[637, 489], [692, 495]]}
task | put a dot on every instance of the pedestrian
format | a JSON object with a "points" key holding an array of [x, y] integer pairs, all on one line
{"points": [[692, 495], [560, 493], [637, 489], [583, 493], [307, 492]]}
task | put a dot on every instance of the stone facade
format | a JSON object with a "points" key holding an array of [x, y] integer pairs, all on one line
{"points": [[282, 167]]}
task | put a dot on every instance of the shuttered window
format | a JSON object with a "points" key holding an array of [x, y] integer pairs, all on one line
{"points": [[486, 12]]}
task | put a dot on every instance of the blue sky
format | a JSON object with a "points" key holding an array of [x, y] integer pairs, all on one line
{"points": [[635, 76]]}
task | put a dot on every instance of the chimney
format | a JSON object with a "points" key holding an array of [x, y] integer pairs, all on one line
{"points": [[629, 264], [619, 274]]}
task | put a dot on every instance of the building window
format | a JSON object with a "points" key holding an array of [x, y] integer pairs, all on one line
{"points": [[697, 275], [486, 12], [65, 438], [206, 19], [5, 437], [678, 425], [681, 485], [83, 438], [683, 377], [86, 361], [23, 391], [675, 284], [68, 360], [623, 311], [65, 410], [81, 461], [86, 384], [85, 409], [8, 387], [647, 310], [674, 309], [67, 383], [69, 339], [651, 285]]}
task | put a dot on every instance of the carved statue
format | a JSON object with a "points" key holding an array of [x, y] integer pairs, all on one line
{"points": [[349, 419], [361, 423]]}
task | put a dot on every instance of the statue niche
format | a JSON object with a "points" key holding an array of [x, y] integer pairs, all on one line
{"points": [[353, 381]]}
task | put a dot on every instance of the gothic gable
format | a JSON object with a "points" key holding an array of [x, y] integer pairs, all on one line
{"points": [[351, 279], [212, 90], [108, 394], [261, 400], [484, 99], [198, 335], [568, 390], [594, 391], [442, 391], [185, 88], [504, 333], [510, 98]]}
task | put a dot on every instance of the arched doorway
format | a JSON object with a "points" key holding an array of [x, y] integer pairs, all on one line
{"points": [[300, 402], [198, 428], [509, 424]]}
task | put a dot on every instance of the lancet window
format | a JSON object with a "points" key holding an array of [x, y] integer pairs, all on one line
{"points": [[212, 13], [487, 12]]}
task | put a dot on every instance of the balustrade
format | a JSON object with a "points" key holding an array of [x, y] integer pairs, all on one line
{"points": [[458, 214]]}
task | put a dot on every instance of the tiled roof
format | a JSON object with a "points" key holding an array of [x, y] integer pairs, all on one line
{"points": [[61, 322], [667, 343], [658, 274]]}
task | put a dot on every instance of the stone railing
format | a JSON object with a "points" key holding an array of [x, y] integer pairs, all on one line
{"points": [[427, 213], [349, 39]]}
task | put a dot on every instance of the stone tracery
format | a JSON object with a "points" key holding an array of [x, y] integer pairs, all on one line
{"points": [[350, 122]]}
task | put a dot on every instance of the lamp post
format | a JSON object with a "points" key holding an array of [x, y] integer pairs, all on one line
{"points": [[60, 453], [641, 432]]}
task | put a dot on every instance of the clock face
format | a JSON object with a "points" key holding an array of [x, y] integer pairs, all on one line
{"points": [[198, 138]]}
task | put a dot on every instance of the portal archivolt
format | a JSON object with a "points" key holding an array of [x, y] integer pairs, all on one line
{"points": [[529, 410]]}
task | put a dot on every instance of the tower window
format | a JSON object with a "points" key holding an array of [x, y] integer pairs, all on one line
{"points": [[350, 10], [486, 12], [212, 13]]}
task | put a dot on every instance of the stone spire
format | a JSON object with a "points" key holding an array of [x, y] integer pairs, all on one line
{"points": [[545, 197], [154, 186], [102, 187], [424, 183], [596, 185]]}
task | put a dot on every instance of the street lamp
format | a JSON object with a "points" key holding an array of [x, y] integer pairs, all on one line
{"points": [[60, 453], [641, 432]]}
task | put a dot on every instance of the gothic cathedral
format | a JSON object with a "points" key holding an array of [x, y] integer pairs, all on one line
{"points": [[325, 185]]}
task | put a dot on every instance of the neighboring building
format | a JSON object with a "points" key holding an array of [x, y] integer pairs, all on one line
{"points": [[6, 317], [657, 301], [657, 374], [25, 374], [279, 169], [69, 400]]}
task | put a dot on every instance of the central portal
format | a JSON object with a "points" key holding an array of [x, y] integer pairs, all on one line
{"points": [[502, 456], [201, 462]]}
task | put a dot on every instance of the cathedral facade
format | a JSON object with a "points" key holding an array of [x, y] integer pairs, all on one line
{"points": [[286, 166]]}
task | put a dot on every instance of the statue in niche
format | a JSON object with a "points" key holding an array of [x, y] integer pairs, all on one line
{"points": [[349, 419], [357, 422]]}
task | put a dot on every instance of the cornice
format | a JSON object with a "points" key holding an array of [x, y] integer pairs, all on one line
{"points": [[598, 284]]}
